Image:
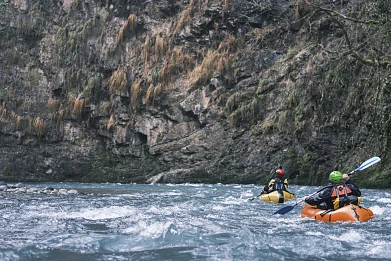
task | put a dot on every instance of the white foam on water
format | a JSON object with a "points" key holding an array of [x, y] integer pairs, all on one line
{"points": [[192, 185], [135, 195], [314, 233], [112, 258], [380, 249], [233, 200], [201, 225], [377, 210], [219, 207], [350, 236], [172, 193], [211, 216], [248, 193], [154, 210], [248, 186], [198, 194], [148, 229], [384, 200], [387, 194], [95, 213]]}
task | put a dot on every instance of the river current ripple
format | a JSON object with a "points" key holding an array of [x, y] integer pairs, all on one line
{"points": [[181, 222]]}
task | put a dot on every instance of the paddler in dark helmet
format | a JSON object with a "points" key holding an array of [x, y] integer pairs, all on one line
{"points": [[277, 183], [341, 193]]}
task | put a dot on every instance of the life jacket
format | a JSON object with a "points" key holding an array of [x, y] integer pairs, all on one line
{"points": [[341, 190], [338, 191], [278, 184]]}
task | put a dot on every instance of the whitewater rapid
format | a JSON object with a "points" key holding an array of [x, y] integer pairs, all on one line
{"points": [[181, 222]]}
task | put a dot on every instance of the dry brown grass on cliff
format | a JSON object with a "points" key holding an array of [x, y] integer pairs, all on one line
{"points": [[160, 46], [223, 65], [149, 95], [259, 34], [178, 61], [111, 122], [214, 61], [136, 52], [13, 115], [78, 107], [120, 35], [158, 89], [39, 126], [71, 100], [118, 81], [3, 113], [204, 71], [185, 16], [147, 51], [135, 91], [152, 93], [53, 105], [20, 135], [61, 113], [21, 123], [106, 107], [18, 121], [128, 26], [183, 61], [167, 72], [228, 44], [132, 22]]}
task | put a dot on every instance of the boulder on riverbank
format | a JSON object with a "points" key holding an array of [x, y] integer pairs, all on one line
{"points": [[21, 188]]}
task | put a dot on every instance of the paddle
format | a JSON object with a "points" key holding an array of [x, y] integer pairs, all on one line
{"points": [[288, 208], [291, 176], [363, 166], [366, 164], [251, 199]]}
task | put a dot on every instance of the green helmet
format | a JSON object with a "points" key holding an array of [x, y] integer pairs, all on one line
{"points": [[335, 177]]}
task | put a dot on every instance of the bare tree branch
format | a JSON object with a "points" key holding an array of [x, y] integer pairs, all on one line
{"points": [[352, 50]]}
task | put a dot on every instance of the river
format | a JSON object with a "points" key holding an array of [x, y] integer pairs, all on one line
{"points": [[181, 222]]}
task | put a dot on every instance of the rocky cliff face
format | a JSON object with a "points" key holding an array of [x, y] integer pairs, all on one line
{"points": [[191, 91]]}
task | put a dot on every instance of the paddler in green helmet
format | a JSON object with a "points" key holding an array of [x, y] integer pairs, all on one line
{"points": [[342, 193]]}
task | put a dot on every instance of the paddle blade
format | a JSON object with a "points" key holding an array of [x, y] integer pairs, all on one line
{"points": [[367, 164], [284, 210]]}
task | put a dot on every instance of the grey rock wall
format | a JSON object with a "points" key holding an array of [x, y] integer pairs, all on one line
{"points": [[259, 104]]}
